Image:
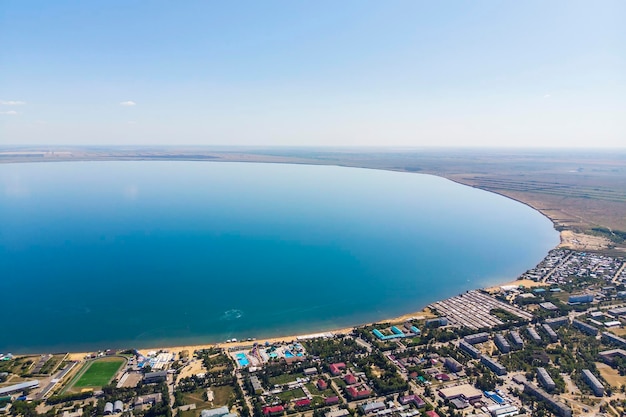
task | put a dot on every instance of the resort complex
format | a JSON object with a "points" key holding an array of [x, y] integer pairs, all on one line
{"points": [[549, 345]]}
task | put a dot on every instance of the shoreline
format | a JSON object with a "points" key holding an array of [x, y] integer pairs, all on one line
{"points": [[284, 338], [423, 313]]}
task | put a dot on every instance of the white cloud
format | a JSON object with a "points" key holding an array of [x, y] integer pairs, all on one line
{"points": [[10, 112], [547, 95], [128, 103], [12, 103]]}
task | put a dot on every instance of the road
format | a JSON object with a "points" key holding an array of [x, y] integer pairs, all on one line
{"points": [[549, 274]]}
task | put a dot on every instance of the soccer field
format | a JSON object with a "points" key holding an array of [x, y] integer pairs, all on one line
{"points": [[99, 372]]}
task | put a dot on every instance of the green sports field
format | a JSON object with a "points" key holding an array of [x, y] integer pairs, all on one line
{"points": [[99, 372]]}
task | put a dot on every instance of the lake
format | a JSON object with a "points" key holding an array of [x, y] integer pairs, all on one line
{"points": [[97, 255]]}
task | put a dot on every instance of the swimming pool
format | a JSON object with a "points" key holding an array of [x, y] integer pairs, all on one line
{"points": [[242, 359], [288, 354]]}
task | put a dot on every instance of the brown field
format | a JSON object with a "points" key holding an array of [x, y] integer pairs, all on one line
{"points": [[610, 375], [619, 331], [222, 395]]}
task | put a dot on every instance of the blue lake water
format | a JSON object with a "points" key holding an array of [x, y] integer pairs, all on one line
{"points": [[135, 254]]}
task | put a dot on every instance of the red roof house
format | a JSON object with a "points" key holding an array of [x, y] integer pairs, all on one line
{"points": [[335, 368], [356, 394], [303, 403], [331, 400], [431, 413], [412, 399], [322, 385], [350, 379], [274, 410]]}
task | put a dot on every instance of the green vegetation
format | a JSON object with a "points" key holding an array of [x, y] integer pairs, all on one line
{"points": [[287, 396], [284, 379], [20, 366], [51, 364], [334, 350], [504, 315], [99, 372], [56, 399], [616, 236], [386, 379]]}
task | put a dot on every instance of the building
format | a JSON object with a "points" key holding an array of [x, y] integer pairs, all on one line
{"points": [[272, 410], [557, 321], [431, 413], [310, 371], [492, 364], [505, 410], [557, 407], [502, 343], [412, 399], [438, 322], [612, 323], [452, 364], [154, 377], [473, 339], [256, 384], [383, 337], [608, 356], [616, 312], [331, 400], [596, 322], [580, 299], [459, 403], [545, 379], [372, 407], [469, 349], [584, 327], [357, 393], [516, 339], [108, 409], [337, 413], [350, 379], [218, 412], [611, 338], [412, 328], [305, 402], [494, 396], [118, 406], [595, 385], [551, 333], [465, 391], [534, 336], [12, 389], [322, 385], [148, 399], [335, 368], [548, 306]]}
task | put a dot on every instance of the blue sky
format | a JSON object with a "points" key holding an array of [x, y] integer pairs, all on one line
{"points": [[350, 73]]}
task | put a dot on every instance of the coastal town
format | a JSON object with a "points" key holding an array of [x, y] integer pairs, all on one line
{"points": [[550, 344]]}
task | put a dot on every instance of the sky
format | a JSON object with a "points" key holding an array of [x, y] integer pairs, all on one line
{"points": [[413, 73]]}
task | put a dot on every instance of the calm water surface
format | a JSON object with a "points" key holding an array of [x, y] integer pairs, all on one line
{"points": [[134, 254]]}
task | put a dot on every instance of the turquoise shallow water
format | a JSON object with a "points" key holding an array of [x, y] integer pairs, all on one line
{"points": [[134, 254]]}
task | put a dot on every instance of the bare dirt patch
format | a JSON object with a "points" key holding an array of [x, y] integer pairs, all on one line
{"points": [[194, 367], [610, 375], [583, 242]]}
